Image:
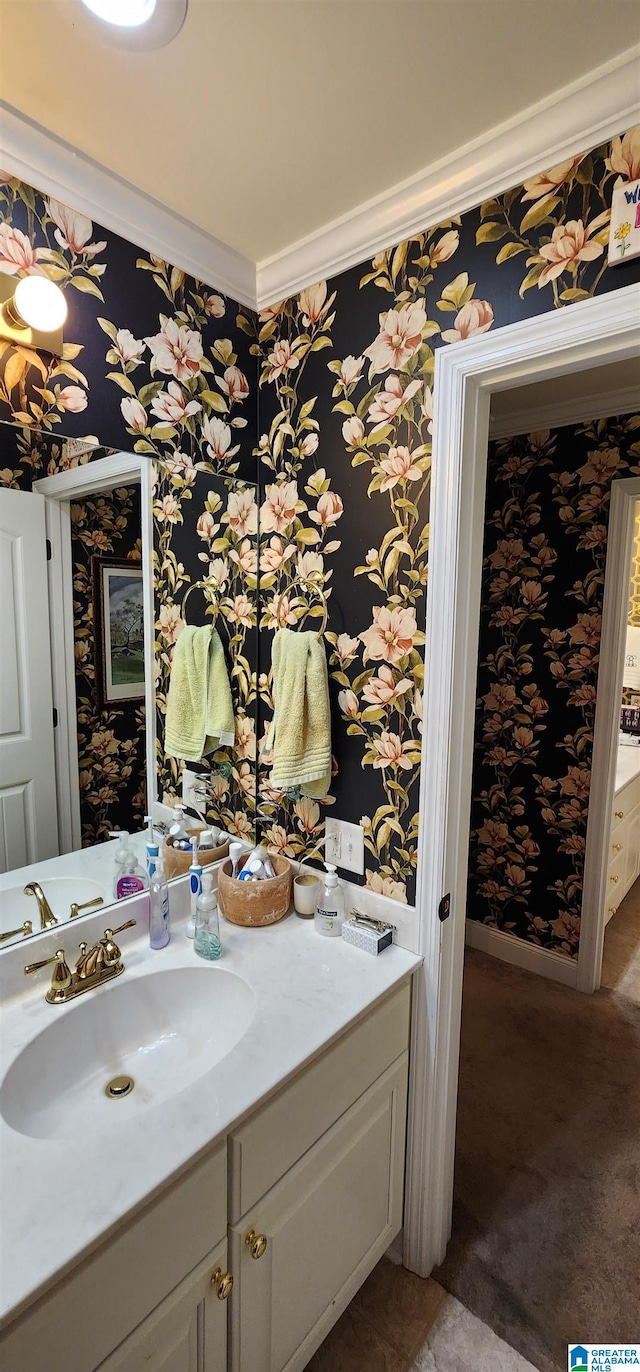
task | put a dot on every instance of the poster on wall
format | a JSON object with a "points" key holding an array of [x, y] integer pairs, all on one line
{"points": [[624, 234], [119, 631]]}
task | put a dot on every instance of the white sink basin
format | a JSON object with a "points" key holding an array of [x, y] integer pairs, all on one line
{"points": [[164, 1029], [15, 907]]}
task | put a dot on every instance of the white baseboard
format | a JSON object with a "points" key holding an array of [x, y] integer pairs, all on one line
{"points": [[509, 948]]}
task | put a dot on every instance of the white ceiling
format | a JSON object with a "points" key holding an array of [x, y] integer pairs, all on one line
{"points": [[265, 119], [585, 390]]}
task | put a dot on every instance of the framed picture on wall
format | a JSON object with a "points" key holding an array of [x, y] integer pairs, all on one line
{"points": [[119, 630]]}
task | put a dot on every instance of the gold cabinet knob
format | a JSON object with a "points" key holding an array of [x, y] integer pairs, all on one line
{"points": [[613, 909], [223, 1282], [256, 1243], [619, 814], [617, 847], [614, 878]]}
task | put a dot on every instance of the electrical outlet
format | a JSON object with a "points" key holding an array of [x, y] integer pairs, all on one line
{"points": [[344, 845]]}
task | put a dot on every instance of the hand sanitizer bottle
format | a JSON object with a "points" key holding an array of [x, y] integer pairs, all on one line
{"points": [[159, 933], [329, 913], [207, 935]]}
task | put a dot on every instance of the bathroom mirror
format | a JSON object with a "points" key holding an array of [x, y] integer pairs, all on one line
{"points": [[101, 556]]}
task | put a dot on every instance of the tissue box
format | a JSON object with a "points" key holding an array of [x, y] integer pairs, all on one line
{"points": [[372, 939]]}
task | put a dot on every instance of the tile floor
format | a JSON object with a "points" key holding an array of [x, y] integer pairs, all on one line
{"points": [[399, 1323]]}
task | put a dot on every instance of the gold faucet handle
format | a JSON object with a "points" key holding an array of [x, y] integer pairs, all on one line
{"points": [[89, 961], [88, 905], [27, 928], [110, 947], [61, 975]]}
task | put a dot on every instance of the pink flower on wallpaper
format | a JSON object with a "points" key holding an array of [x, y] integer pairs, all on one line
{"points": [[545, 183], [278, 840], [73, 399], [275, 554], [218, 573], [279, 508], [172, 407], [386, 886], [128, 348], [328, 510], [206, 526], [309, 445], [182, 465], [245, 557], [170, 622], [576, 783], [73, 230], [351, 370], [390, 399], [241, 825], [601, 465], [135, 415], [241, 611], [176, 350], [242, 513], [353, 431], [245, 741], [168, 511], [217, 436], [313, 303], [399, 466], [346, 649], [272, 311], [307, 813], [281, 359], [391, 751], [587, 630], [234, 384], [391, 635], [280, 612], [348, 703], [625, 155], [310, 565], [214, 306], [474, 317], [445, 247], [569, 244], [399, 338], [17, 253], [383, 688]]}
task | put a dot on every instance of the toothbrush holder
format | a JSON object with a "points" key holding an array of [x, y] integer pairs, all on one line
{"points": [[255, 903]]}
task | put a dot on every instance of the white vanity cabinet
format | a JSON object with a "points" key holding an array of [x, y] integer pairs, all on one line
{"points": [[246, 1261], [624, 850]]}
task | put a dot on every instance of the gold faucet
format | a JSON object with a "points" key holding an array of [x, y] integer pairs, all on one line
{"points": [[47, 917], [25, 930], [95, 965]]}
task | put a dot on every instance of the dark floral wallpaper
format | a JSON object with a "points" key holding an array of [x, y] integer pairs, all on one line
{"points": [[346, 415], [111, 742], [547, 513]]}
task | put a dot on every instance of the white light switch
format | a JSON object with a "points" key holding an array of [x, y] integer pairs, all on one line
{"points": [[344, 845]]}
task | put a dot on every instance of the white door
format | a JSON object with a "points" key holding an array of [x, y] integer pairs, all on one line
{"points": [[28, 810]]}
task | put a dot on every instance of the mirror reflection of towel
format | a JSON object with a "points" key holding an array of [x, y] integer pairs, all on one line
{"points": [[199, 706], [300, 733]]}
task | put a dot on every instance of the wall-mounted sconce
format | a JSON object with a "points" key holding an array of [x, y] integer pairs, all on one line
{"points": [[32, 312]]}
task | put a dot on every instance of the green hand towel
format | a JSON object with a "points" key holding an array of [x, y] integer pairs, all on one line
{"points": [[300, 733], [199, 706]]}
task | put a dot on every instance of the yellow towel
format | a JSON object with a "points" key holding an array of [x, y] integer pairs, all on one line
{"points": [[300, 733], [199, 705]]}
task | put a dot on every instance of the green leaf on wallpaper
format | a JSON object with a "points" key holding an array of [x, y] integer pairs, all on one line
{"points": [[308, 537], [490, 207], [457, 293], [539, 212], [67, 369], [323, 341], [26, 194], [125, 382], [214, 401], [71, 350], [344, 407], [141, 446], [163, 432], [149, 392], [372, 714], [86, 286], [574, 294], [223, 350], [584, 173], [510, 250], [355, 729], [533, 276], [245, 325], [359, 458], [491, 232], [305, 410], [108, 328]]}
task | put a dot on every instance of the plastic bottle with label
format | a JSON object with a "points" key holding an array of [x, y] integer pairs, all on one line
{"points": [[129, 878], [329, 915], [159, 932]]}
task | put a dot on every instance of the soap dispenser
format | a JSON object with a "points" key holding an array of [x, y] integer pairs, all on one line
{"points": [[207, 936], [129, 878], [329, 913]]}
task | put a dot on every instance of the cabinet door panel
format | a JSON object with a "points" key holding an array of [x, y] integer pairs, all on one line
{"points": [[326, 1222], [187, 1332]]}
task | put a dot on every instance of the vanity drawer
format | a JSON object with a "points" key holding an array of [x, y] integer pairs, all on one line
{"points": [[264, 1148], [100, 1302]]}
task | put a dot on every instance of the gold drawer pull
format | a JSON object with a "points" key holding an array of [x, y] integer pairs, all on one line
{"points": [[256, 1243], [614, 879], [613, 910], [617, 847], [223, 1282], [619, 814]]}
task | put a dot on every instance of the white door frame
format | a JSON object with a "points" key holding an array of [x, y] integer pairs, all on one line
{"points": [[118, 469], [606, 329]]}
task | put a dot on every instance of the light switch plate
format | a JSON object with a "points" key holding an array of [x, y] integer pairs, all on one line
{"points": [[344, 845]]}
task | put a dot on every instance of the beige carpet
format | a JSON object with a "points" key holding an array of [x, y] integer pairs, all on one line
{"points": [[545, 1246]]}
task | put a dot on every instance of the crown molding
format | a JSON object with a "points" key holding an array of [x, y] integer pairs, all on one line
{"points": [[57, 169], [601, 104], [601, 405]]}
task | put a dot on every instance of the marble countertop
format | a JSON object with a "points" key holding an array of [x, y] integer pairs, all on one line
{"points": [[55, 1205], [627, 765]]}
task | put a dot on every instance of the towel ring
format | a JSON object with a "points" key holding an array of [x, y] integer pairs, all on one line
{"points": [[203, 586], [311, 585]]}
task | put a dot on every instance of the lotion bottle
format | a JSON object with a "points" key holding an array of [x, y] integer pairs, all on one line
{"points": [[329, 913], [159, 933]]}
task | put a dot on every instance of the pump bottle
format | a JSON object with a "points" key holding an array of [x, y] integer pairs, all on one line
{"points": [[329, 913]]}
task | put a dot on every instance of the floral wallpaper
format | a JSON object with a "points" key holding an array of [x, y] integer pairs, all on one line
{"points": [[345, 424], [157, 363], [111, 742], [547, 508]]}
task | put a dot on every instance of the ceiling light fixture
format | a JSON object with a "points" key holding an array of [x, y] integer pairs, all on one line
{"points": [[134, 23], [32, 312]]}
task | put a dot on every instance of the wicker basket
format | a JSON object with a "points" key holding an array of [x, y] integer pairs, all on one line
{"points": [[177, 863], [255, 903]]}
